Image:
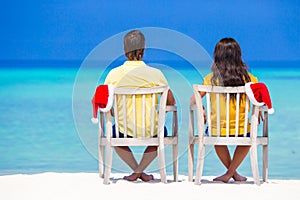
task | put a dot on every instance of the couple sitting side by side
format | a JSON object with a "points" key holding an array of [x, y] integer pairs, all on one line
{"points": [[228, 69]]}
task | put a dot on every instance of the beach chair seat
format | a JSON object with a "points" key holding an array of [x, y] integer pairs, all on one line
{"points": [[157, 118], [202, 138]]}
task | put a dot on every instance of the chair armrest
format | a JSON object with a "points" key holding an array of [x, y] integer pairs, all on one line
{"points": [[263, 108], [265, 122], [264, 118], [171, 108], [112, 113], [193, 107]]}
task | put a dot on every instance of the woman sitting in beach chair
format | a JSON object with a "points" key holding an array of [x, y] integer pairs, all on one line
{"points": [[228, 69]]}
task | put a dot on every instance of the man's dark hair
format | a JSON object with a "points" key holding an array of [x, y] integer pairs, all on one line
{"points": [[134, 45]]}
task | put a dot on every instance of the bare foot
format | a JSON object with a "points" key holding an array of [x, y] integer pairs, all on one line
{"points": [[224, 178], [238, 177], [145, 177], [132, 177]]}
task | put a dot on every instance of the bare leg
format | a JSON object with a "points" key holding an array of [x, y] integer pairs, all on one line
{"points": [[239, 155], [224, 155], [149, 154], [127, 156]]}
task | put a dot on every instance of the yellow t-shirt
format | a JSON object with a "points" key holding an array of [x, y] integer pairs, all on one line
{"points": [[207, 81], [135, 74]]}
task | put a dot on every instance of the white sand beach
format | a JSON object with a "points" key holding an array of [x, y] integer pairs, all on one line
{"points": [[89, 186]]}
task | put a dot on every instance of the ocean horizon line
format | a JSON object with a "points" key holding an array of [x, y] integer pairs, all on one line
{"points": [[76, 63]]}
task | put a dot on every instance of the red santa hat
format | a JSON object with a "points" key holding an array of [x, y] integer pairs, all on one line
{"points": [[103, 99], [258, 94]]}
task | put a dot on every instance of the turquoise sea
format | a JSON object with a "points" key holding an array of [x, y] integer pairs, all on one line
{"points": [[38, 132]]}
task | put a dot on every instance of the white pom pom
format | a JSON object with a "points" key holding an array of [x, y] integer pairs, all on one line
{"points": [[271, 110], [95, 120]]}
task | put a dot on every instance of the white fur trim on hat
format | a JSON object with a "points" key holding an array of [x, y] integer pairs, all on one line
{"points": [[94, 120], [250, 95], [271, 111]]}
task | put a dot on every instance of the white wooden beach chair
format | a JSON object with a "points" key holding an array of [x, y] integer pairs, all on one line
{"points": [[107, 142], [198, 137]]}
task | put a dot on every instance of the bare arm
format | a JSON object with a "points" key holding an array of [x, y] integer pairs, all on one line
{"points": [[170, 98], [193, 98], [193, 101]]}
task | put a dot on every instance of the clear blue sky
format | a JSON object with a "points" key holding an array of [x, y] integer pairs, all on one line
{"points": [[70, 29]]}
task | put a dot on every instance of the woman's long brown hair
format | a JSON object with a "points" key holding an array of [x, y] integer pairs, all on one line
{"points": [[228, 67]]}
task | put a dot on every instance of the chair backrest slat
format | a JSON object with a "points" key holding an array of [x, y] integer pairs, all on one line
{"points": [[227, 113], [143, 116], [246, 116], [237, 114], [152, 115], [116, 114], [218, 114], [124, 114], [134, 114], [208, 113], [162, 114]]}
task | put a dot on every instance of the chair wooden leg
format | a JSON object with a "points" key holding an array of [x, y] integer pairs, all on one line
{"points": [[200, 163], [161, 161], [254, 164], [190, 162], [265, 163], [101, 161], [175, 162], [109, 154]]}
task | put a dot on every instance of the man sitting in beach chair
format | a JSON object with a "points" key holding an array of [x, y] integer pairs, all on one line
{"points": [[134, 73]]}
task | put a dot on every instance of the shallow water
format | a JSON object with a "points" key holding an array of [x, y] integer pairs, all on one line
{"points": [[38, 132]]}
